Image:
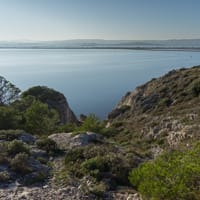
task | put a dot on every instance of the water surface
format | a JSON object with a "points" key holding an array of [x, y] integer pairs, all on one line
{"points": [[92, 80]]}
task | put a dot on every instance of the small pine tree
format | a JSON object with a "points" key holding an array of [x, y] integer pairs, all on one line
{"points": [[40, 119]]}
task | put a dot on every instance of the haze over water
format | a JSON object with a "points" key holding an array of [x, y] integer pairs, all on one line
{"points": [[92, 80]]}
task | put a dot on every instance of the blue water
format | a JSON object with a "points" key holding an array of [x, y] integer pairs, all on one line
{"points": [[92, 80]]}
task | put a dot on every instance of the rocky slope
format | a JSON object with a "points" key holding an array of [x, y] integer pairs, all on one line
{"points": [[165, 109], [34, 177]]}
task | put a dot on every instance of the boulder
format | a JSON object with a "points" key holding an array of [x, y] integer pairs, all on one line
{"points": [[66, 141], [39, 153], [27, 138]]}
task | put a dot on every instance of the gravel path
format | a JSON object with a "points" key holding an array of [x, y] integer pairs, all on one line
{"points": [[52, 193]]}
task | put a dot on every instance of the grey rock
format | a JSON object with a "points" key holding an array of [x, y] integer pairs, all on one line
{"points": [[65, 141], [27, 138], [39, 153]]}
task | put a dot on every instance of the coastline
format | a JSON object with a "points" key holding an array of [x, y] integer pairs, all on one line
{"points": [[112, 48]]}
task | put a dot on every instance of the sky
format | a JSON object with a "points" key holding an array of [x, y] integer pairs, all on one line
{"points": [[99, 19]]}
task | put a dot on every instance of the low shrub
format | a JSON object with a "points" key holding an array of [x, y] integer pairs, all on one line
{"points": [[9, 117], [35, 177], [96, 166], [67, 128], [42, 160], [20, 163], [196, 88], [74, 155], [164, 102], [47, 144], [99, 161], [17, 146], [10, 135], [91, 123], [4, 176], [99, 189]]}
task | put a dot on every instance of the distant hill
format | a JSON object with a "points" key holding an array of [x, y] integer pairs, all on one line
{"points": [[97, 43]]}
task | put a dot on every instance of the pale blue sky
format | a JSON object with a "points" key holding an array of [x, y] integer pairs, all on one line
{"points": [[99, 19]]}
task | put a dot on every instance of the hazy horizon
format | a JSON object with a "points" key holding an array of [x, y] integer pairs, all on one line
{"points": [[96, 39], [50, 20]]}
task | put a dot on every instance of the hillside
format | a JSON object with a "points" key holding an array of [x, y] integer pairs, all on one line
{"points": [[103, 44], [165, 109], [160, 120]]}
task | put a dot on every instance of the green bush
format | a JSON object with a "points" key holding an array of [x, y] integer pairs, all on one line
{"points": [[74, 155], [9, 118], [36, 177], [67, 128], [47, 96], [172, 176], [47, 144], [17, 146], [42, 93], [164, 102], [10, 135], [99, 162], [42, 160], [99, 189], [20, 163], [91, 123], [108, 132], [4, 176], [40, 119], [196, 88], [96, 166]]}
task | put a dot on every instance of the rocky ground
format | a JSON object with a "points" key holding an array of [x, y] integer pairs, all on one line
{"points": [[47, 192], [15, 189], [17, 192]]}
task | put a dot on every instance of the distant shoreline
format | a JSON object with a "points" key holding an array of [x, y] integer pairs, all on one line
{"points": [[112, 48]]}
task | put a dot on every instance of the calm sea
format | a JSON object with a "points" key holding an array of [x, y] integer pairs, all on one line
{"points": [[92, 80]]}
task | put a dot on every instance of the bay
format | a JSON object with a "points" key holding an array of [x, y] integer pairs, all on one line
{"points": [[93, 80]]}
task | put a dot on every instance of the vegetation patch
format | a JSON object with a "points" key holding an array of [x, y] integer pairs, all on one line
{"points": [[195, 88], [16, 146], [10, 135], [101, 162], [47, 144], [20, 163], [174, 175]]}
